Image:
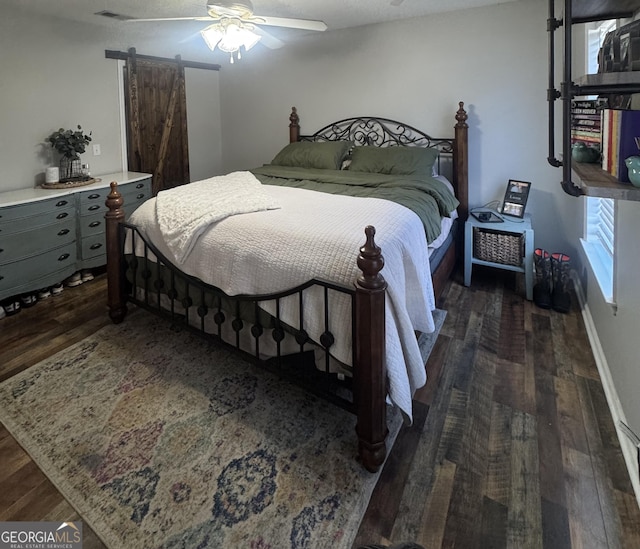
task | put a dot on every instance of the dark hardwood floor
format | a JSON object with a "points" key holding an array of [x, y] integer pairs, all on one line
{"points": [[512, 444]]}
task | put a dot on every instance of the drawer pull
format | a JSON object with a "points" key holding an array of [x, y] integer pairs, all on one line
{"points": [[95, 246], [141, 195], [94, 207], [62, 203], [139, 185], [1, 250], [93, 196], [63, 257], [62, 215], [63, 232], [1, 277], [94, 224]]}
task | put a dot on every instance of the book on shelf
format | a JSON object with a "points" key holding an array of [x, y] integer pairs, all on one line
{"points": [[585, 106], [586, 122], [591, 122], [620, 135]]}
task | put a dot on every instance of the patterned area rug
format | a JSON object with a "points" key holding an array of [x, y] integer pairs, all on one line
{"points": [[160, 439]]}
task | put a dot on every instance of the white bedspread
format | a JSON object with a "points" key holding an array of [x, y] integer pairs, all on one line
{"points": [[317, 235], [184, 212]]}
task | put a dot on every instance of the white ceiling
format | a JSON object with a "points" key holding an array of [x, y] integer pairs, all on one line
{"points": [[337, 14]]}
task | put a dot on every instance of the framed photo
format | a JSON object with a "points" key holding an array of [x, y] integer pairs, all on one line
{"points": [[515, 198]]}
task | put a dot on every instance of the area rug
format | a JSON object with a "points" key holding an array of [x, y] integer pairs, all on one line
{"points": [[161, 439]]}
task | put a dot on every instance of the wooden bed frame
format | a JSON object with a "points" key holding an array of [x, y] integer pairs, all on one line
{"points": [[369, 379]]}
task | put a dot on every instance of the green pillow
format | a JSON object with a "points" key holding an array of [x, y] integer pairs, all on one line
{"points": [[323, 155], [393, 160]]}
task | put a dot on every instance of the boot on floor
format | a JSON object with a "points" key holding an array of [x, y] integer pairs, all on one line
{"points": [[542, 287], [560, 296]]}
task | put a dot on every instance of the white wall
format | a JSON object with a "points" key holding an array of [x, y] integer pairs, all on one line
{"points": [[619, 332], [203, 123], [55, 74]]}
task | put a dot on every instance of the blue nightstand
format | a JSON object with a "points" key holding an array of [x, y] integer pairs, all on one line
{"points": [[507, 245]]}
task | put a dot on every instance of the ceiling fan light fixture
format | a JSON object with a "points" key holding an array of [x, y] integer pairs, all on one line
{"points": [[230, 35], [212, 35]]}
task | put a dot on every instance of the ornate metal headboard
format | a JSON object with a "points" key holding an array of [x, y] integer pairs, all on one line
{"points": [[381, 132]]}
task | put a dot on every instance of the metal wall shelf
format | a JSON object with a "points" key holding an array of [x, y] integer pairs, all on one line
{"points": [[594, 181], [608, 82], [586, 179]]}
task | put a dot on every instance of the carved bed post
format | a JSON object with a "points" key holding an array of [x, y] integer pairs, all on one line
{"points": [[294, 126], [116, 299], [461, 159], [370, 380]]}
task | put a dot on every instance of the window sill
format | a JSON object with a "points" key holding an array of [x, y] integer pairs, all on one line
{"points": [[601, 269]]}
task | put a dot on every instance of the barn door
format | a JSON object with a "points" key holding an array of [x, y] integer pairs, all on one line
{"points": [[157, 120]]}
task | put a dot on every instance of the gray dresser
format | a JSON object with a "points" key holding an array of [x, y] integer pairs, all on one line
{"points": [[47, 235]]}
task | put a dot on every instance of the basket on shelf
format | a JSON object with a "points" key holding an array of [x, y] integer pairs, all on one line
{"points": [[498, 247], [70, 169]]}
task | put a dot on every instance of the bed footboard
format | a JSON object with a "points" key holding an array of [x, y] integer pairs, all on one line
{"points": [[369, 376], [369, 373], [116, 294]]}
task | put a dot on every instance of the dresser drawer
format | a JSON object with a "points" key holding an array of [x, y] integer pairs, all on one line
{"points": [[133, 200], [92, 224], [137, 187], [30, 242], [93, 246], [94, 205], [27, 223], [135, 194], [16, 273], [36, 209]]}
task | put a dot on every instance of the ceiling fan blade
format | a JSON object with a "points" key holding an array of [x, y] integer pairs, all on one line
{"points": [[205, 18], [267, 39], [305, 24]]}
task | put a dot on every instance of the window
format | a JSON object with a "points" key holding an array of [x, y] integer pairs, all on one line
{"points": [[600, 213], [599, 242]]}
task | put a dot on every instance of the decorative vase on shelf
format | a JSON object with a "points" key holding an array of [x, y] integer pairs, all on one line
{"points": [[633, 166], [580, 152]]}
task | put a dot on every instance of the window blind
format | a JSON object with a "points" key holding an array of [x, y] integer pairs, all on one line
{"points": [[600, 224]]}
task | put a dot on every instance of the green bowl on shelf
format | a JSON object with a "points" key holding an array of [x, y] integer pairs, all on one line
{"points": [[580, 152]]}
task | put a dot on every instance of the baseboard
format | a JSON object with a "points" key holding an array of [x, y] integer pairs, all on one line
{"points": [[629, 451]]}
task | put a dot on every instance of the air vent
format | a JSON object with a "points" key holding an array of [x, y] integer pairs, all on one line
{"points": [[112, 15]]}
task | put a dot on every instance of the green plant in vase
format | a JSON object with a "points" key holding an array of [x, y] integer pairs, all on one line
{"points": [[70, 144]]}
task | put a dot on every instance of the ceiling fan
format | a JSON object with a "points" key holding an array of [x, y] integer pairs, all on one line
{"points": [[237, 26]]}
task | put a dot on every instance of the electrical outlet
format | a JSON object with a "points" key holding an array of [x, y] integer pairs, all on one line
{"points": [[96, 150]]}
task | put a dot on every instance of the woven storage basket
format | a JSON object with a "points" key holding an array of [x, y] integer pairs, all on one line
{"points": [[498, 247]]}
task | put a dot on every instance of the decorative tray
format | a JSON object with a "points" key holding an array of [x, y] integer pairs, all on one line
{"points": [[69, 184]]}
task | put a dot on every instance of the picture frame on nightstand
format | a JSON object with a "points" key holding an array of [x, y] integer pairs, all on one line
{"points": [[515, 198]]}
